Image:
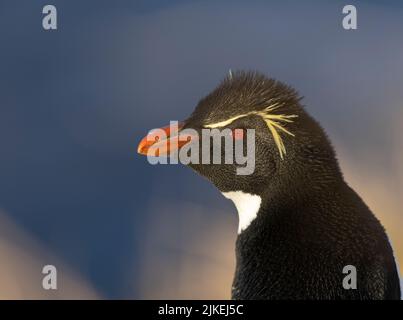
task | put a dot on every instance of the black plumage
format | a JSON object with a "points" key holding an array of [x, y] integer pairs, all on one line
{"points": [[310, 223]]}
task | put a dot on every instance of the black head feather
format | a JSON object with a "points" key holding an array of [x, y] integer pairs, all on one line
{"points": [[309, 154]]}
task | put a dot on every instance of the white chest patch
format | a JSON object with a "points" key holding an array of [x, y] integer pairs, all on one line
{"points": [[247, 205]]}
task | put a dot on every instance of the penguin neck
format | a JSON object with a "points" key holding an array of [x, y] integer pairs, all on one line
{"points": [[276, 211], [251, 209], [255, 208], [247, 205]]}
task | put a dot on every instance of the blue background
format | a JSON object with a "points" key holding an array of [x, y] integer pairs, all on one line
{"points": [[74, 102]]}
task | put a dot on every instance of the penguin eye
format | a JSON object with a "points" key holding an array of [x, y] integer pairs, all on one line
{"points": [[238, 134]]}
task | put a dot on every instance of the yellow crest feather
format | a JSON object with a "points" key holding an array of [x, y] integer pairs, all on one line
{"points": [[274, 123]]}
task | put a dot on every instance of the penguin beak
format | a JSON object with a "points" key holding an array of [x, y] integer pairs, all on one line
{"points": [[164, 141]]}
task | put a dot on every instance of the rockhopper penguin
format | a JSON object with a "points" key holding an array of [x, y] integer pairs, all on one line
{"points": [[300, 223]]}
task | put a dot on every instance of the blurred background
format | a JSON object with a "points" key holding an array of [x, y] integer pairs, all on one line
{"points": [[74, 103]]}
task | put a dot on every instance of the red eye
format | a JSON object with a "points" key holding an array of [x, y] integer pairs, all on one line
{"points": [[238, 134]]}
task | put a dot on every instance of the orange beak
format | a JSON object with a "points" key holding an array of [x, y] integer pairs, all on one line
{"points": [[164, 141]]}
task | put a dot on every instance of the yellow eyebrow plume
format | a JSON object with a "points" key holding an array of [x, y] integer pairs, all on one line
{"points": [[273, 121], [226, 122]]}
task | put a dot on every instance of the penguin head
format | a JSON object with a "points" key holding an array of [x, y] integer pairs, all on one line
{"points": [[266, 115]]}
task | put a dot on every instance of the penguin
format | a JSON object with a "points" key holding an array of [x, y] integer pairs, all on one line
{"points": [[303, 233]]}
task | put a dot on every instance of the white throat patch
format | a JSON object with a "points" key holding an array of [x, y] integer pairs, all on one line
{"points": [[247, 205]]}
